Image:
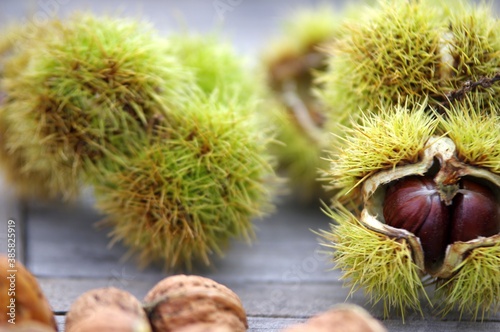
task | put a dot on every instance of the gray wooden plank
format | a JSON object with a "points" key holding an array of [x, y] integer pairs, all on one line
{"points": [[60, 320], [61, 293], [65, 242], [441, 326], [265, 324]]}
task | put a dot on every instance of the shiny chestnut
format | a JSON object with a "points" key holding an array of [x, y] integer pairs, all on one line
{"points": [[414, 203]]}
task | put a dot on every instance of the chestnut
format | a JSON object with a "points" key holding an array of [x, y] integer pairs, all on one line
{"points": [[418, 211], [414, 203], [476, 212]]}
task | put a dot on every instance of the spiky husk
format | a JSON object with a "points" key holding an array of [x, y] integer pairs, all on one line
{"points": [[85, 92], [196, 185], [378, 66], [475, 285], [288, 65], [299, 157], [380, 265], [474, 125], [202, 176], [218, 69], [381, 140], [166, 131], [34, 183], [396, 137], [26, 181], [410, 49]]}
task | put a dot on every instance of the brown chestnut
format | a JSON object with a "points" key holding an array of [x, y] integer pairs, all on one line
{"points": [[476, 212], [414, 203]]}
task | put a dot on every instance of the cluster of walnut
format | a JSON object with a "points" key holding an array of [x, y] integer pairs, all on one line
{"points": [[180, 303], [177, 303], [183, 303]]}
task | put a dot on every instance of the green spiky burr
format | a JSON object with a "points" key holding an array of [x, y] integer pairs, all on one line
{"points": [[166, 131], [289, 64], [416, 159], [460, 153], [428, 190], [203, 175], [187, 193], [87, 90], [218, 69], [419, 49], [27, 182]]}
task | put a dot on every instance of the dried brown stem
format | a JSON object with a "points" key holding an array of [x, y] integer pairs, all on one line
{"points": [[466, 88]]}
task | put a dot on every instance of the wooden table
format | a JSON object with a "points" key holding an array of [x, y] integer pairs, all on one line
{"points": [[282, 278]]}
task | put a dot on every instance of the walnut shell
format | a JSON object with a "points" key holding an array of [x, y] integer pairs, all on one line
{"points": [[345, 318], [25, 295], [104, 307], [206, 327], [181, 300], [111, 319]]}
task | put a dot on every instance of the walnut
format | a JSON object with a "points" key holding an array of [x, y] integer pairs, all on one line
{"points": [[206, 327], [21, 298], [26, 327], [180, 301], [345, 318], [107, 309]]}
